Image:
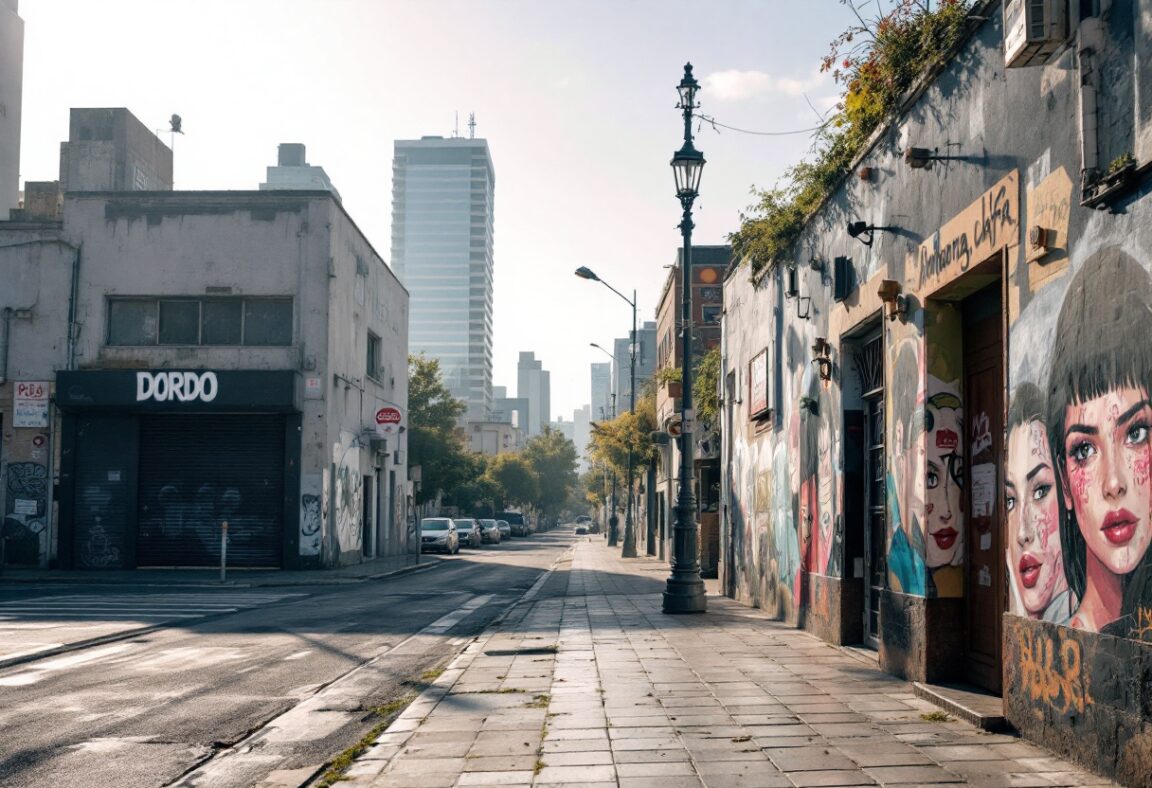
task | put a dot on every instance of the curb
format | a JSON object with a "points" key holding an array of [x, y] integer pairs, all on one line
{"points": [[388, 744]]}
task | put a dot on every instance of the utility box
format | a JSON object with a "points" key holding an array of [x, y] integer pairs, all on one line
{"points": [[1034, 30]]}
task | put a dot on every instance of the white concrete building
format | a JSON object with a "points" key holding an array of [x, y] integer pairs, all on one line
{"points": [[293, 172], [11, 90], [214, 357]]}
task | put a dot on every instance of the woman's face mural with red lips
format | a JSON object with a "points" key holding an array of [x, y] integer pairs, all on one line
{"points": [[1035, 559], [1106, 460], [944, 479]]}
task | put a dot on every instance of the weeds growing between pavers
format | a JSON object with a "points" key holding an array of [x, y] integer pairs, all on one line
{"points": [[343, 762]]}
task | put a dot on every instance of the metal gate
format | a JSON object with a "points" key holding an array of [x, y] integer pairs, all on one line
{"points": [[197, 472]]}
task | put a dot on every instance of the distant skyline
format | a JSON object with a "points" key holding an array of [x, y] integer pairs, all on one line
{"points": [[577, 102]]}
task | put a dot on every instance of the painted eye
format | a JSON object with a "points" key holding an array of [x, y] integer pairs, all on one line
{"points": [[1041, 492], [1080, 452], [1010, 502], [1137, 435], [933, 480]]}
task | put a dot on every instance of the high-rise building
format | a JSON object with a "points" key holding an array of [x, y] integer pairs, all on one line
{"points": [[442, 223], [601, 391], [622, 364], [11, 89], [293, 172], [534, 384], [511, 410]]}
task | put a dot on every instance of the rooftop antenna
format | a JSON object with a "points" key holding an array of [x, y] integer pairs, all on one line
{"points": [[471, 125], [456, 126]]}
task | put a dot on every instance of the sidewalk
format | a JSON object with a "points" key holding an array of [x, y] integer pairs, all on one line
{"points": [[588, 683]]}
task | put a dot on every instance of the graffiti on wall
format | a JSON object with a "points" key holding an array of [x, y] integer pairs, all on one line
{"points": [[819, 491], [25, 534], [907, 468], [312, 514], [347, 492], [1076, 483]]}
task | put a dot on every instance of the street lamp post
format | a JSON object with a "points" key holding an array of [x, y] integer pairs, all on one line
{"points": [[629, 550], [685, 590]]}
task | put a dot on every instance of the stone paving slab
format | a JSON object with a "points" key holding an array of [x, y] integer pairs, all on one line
{"points": [[590, 684]]}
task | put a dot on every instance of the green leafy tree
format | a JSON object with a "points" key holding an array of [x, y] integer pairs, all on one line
{"points": [[512, 479], [705, 386], [434, 442], [553, 459], [475, 493]]}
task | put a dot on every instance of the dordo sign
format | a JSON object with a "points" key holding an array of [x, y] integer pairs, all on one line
{"points": [[179, 390], [389, 420], [176, 386]]}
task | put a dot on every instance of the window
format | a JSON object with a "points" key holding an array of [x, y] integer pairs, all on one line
{"points": [[711, 314], [373, 368], [197, 321]]}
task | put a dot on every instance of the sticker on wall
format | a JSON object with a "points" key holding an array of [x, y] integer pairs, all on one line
{"points": [[983, 490], [985, 576]]}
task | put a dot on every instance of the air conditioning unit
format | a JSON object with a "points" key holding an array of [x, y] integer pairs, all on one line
{"points": [[1034, 30]]}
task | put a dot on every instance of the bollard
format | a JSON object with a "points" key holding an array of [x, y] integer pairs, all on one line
{"points": [[223, 548]]}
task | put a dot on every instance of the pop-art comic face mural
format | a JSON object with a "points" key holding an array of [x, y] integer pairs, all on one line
{"points": [[1034, 511], [907, 571], [943, 493], [1097, 418]]}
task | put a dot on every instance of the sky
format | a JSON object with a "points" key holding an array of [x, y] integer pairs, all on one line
{"points": [[577, 100]]}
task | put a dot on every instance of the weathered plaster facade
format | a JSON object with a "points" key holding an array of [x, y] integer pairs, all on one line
{"points": [[232, 245], [969, 490]]}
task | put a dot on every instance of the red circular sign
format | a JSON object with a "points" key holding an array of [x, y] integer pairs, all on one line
{"points": [[388, 416]]}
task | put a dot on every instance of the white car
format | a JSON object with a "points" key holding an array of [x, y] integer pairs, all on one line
{"points": [[490, 531], [439, 533]]}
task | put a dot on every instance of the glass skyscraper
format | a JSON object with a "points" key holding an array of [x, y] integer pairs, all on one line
{"points": [[442, 222]]}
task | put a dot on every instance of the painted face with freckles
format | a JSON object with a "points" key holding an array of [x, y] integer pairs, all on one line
{"points": [[1034, 549], [1106, 456]]}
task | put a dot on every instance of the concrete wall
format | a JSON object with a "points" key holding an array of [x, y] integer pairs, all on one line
{"points": [[1077, 321], [109, 149], [36, 270]]}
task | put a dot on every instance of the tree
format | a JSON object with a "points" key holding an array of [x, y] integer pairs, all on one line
{"points": [[513, 480], [706, 386], [434, 442], [553, 459]]}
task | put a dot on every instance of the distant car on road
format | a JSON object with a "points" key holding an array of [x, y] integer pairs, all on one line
{"points": [[516, 521], [505, 529], [469, 530], [581, 530], [439, 533], [490, 531]]}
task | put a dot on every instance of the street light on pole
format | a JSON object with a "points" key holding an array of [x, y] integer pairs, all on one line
{"points": [[629, 550], [685, 590]]}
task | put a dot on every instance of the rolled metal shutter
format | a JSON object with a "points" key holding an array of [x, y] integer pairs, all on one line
{"points": [[198, 471], [105, 456]]}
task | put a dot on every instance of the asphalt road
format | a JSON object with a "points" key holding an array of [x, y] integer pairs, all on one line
{"points": [[265, 695]]}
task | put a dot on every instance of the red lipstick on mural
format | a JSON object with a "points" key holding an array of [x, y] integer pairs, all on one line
{"points": [[1029, 570], [1119, 526], [945, 538]]}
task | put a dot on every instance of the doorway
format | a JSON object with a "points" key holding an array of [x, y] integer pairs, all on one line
{"points": [[983, 461], [367, 536], [870, 368]]}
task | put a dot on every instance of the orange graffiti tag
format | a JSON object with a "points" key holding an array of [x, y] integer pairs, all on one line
{"points": [[1054, 678], [1143, 629]]}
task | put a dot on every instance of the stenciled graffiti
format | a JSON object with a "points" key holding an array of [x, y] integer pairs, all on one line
{"points": [[24, 531], [1054, 674], [310, 524], [1077, 484]]}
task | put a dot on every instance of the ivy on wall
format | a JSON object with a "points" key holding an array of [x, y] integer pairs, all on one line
{"points": [[875, 61]]}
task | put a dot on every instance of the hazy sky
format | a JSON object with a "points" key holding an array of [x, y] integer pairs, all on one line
{"points": [[576, 99]]}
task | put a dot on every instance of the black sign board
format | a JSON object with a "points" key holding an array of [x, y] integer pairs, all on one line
{"points": [[178, 390]]}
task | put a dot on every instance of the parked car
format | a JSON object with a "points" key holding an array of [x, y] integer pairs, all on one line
{"points": [[470, 533], [490, 532], [505, 529], [581, 530], [439, 533], [516, 521]]}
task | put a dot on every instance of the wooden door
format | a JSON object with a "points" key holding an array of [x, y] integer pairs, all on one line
{"points": [[983, 468]]}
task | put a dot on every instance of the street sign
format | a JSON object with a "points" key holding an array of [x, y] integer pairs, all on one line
{"points": [[389, 420], [674, 427], [30, 404]]}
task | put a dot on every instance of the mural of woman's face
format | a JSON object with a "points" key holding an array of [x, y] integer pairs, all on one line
{"points": [[943, 525], [1034, 550], [1106, 459]]}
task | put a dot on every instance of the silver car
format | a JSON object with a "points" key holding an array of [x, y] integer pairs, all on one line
{"points": [[469, 532], [439, 533], [505, 529], [490, 532]]}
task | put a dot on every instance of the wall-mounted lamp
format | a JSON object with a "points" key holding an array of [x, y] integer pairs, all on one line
{"points": [[816, 264], [858, 229], [922, 158], [821, 352], [895, 302], [864, 173], [1039, 240]]}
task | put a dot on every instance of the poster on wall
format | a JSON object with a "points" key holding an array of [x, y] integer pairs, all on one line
{"points": [[758, 402], [30, 404]]}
